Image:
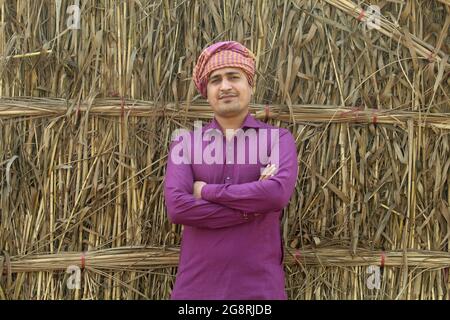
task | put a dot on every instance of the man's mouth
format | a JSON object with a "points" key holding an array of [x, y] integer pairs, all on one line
{"points": [[227, 97]]}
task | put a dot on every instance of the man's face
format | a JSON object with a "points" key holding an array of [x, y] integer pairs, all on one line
{"points": [[229, 92]]}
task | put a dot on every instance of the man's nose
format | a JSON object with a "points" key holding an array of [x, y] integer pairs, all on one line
{"points": [[225, 85]]}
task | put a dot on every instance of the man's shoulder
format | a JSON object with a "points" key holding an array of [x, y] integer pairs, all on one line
{"points": [[282, 130]]}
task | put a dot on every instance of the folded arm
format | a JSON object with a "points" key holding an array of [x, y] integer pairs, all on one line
{"points": [[264, 196], [184, 208]]}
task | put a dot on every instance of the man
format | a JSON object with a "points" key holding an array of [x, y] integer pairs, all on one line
{"points": [[231, 209]]}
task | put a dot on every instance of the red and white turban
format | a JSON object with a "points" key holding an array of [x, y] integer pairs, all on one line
{"points": [[223, 55]]}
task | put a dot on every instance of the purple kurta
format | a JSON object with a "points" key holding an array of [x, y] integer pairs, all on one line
{"points": [[228, 252]]}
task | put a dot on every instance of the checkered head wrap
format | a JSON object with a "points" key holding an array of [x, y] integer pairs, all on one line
{"points": [[222, 55]]}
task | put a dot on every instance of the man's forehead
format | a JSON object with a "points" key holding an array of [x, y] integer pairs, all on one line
{"points": [[224, 71]]}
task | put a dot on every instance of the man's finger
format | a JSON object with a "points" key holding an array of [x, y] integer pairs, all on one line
{"points": [[268, 172], [267, 169]]}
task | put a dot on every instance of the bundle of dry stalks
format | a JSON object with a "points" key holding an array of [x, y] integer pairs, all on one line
{"points": [[86, 117]]}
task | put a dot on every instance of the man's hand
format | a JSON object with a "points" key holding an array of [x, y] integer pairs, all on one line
{"points": [[268, 172], [198, 185]]}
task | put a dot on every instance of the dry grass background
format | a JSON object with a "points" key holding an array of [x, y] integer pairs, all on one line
{"points": [[86, 118]]}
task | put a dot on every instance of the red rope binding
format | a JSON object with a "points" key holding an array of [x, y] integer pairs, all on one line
{"points": [[374, 116], [83, 260], [297, 255], [267, 110], [361, 15]]}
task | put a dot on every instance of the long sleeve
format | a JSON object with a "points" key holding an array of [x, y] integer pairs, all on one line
{"points": [[264, 196], [184, 208]]}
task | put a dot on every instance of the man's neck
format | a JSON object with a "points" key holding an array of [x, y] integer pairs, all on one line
{"points": [[233, 122], [230, 125]]}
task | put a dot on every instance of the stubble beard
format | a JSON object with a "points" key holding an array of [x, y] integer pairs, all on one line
{"points": [[229, 110]]}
